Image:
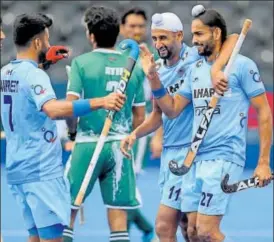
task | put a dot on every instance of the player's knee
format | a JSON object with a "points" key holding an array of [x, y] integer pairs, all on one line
{"points": [[192, 233], [207, 234], [163, 228]]}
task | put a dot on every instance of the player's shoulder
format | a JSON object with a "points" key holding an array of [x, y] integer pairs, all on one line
{"points": [[189, 54], [5, 68], [242, 60]]}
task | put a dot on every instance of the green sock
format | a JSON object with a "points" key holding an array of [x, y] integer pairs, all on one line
{"points": [[119, 236], [139, 219], [68, 234]]}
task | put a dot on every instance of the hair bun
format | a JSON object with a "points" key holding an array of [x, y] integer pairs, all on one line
{"points": [[197, 10], [157, 19]]}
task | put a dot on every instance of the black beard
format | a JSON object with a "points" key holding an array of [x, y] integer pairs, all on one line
{"points": [[207, 52], [42, 57], [165, 57]]}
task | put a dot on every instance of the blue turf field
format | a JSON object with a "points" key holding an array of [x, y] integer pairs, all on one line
{"points": [[250, 218]]}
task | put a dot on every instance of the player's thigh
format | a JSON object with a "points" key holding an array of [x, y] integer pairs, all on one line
{"points": [[49, 202], [170, 184], [79, 162], [20, 197], [213, 200], [117, 181]]}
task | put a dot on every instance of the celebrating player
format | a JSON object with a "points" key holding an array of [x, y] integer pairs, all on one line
{"points": [[95, 74], [167, 35], [223, 150], [28, 105]]}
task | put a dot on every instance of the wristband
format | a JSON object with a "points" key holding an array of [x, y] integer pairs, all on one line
{"points": [[159, 93], [81, 107]]}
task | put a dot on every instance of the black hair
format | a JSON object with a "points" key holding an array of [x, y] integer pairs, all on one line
{"points": [[136, 11], [0, 20], [104, 23], [212, 18], [26, 26]]}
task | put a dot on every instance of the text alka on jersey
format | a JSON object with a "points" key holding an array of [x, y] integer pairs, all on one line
{"points": [[11, 86]]}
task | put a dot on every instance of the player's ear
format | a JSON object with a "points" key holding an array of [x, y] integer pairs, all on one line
{"points": [[180, 35], [37, 43], [217, 34], [122, 29]]}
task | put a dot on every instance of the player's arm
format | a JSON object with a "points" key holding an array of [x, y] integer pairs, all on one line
{"points": [[151, 123], [59, 109], [171, 106], [255, 91], [261, 105], [219, 81], [43, 96], [156, 143]]}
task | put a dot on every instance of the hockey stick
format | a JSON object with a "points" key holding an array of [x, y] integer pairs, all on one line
{"points": [[133, 56], [82, 213], [207, 116], [241, 185]]}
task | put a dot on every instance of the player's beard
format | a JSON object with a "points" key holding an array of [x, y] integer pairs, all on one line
{"points": [[207, 47], [165, 55], [42, 56]]}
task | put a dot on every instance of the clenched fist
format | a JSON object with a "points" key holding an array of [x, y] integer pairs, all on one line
{"points": [[114, 101]]}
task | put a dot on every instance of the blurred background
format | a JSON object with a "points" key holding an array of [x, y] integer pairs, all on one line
{"points": [[68, 29]]}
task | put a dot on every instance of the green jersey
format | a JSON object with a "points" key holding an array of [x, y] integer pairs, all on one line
{"points": [[97, 74]]}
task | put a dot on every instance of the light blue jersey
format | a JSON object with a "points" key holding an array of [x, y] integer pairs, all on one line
{"points": [[226, 136], [34, 152], [177, 132]]}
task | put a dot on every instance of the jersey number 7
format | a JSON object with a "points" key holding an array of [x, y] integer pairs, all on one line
{"points": [[8, 100]]}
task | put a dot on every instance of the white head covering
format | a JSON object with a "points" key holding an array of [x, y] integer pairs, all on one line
{"points": [[166, 21]]}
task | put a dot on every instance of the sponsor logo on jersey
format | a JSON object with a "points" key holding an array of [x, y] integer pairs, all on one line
{"points": [[38, 89], [256, 76], [199, 63], [185, 55], [49, 136], [243, 118], [175, 87], [203, 92], [200, 110]]}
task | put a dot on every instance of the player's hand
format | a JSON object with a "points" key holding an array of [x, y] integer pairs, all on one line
{"points": [[127, 144], [114, 101], [156, 147], [147, 61], [219, 82], [263, 172], [54, 54]]}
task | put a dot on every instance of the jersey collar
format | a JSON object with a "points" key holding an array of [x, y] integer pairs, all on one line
{"points": [[16, 61], [102, 50]]}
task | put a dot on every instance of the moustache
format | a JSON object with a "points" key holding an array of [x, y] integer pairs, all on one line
{"points": [[197, 44]]}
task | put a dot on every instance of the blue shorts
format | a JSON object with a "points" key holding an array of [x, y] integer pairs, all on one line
{"points": [[170, 185], [43, 203], [201, 187]]}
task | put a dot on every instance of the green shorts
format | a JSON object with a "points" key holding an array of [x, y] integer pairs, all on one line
{"points": [[115, 173]]}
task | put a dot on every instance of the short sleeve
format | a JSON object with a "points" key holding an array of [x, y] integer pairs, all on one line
{"points": [[251, 81], [185, 89], [41, 89], [74, 80]]}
